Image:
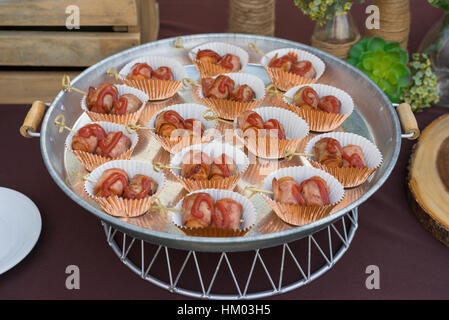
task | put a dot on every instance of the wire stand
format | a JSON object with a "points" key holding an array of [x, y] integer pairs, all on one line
{"points": [[236, 275]]}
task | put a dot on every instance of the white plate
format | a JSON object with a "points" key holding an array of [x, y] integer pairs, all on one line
{"points": [[20, 227]]}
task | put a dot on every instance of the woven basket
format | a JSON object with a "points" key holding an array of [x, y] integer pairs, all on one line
{"points": [[337, 36], [252, 16], [394, 19]]}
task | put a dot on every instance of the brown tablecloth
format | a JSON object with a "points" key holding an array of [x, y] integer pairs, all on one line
{"points": [[412, 264]]}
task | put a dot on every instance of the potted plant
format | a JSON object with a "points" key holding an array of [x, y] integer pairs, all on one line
{"points": [[402, 80], [436, 45], [335, 31]]}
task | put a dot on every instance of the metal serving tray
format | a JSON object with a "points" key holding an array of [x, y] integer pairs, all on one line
{"points": [[374, 118]]}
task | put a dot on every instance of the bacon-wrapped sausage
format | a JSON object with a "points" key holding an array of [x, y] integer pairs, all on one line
{"points": [[311, 192], [197, 210], [329, 104], [230, 62], [284, 63], [306, 96], [227, 214], [218, 88], [127, 103], [87, 138], [194, 125], [243, 93], [115, 144], [273, 124], [111, 183], [353, 156], [304, 69], [222, 167], [195, 165], [290, 63], [140, 71], [168, 121], [286, 191], [328, 152], [208, 56], [162, 73], [315, 192], [141, 186], [250, 120], [101, 99]]}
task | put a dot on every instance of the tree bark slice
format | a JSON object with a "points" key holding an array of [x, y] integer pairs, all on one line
{"points": [[428, 179]]}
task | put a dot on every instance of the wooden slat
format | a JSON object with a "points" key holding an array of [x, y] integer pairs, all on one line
{"points": [[27, 86], [53, 12], [39, 48], [148, 20]]}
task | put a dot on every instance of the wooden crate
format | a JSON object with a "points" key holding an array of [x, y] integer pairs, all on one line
{"points": [[36, 48]]}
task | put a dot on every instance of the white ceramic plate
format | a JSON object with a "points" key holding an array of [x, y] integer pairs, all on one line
{"points": [[20, 227]]}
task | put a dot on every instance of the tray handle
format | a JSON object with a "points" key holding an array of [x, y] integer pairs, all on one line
{"points": [[33, 119], [408, 121]]}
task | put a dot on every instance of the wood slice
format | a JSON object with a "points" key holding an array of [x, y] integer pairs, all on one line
{"points": [[428, 179]]}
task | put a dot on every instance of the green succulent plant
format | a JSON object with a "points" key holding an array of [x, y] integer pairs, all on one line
{"points": [[422, 90], [442, 4], [384, 62]]}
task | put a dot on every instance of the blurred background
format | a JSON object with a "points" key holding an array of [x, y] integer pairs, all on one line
{"points": [[36, 46]]}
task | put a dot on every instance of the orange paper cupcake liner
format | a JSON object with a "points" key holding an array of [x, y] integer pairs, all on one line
{"points": [[207, 69], [228, 183], [228, 109], [91, 161], [271, 148], [284, 80], [213, 232], [125, 208], [155, 89], [130, 118], [320, 121], [175, 145], [349, 177], [298, 215]]}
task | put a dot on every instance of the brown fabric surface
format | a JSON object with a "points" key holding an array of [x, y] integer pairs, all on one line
{"points": [[412, 264]]}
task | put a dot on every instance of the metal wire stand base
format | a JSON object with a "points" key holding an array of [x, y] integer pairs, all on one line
{"points": [[236, 275]]}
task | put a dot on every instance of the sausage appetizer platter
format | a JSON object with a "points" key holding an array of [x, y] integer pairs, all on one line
{"points": [[259, 193]]}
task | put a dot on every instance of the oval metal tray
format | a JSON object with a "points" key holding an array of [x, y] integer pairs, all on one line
{"points": [[373, 118]]}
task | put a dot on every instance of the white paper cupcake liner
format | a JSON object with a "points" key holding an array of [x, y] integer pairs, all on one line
{"points": [[285, 80], [91, 161], [228, 109], [248, 216], [301, 215], [212, 150], [295, 129], [350, 177], [208, 70], [156, 89], [187, 111], [129, 118], [118, 206], [321, 121]]}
